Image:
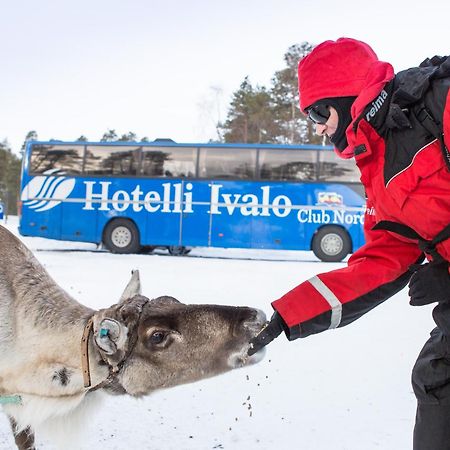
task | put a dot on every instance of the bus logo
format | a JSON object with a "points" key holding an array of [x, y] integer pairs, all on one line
{"points": [[45, 192], [329, 198]]}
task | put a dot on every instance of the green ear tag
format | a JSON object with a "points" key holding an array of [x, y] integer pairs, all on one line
{"points": [[103, 332]]}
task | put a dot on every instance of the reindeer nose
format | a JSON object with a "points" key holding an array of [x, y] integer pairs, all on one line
{"points": [[253, 320]]}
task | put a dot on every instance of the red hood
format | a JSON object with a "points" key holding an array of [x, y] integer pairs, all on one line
{"points": [[334, 69], [380, 73], [342, 68]]}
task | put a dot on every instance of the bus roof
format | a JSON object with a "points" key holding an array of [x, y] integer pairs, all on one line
{"points": [[171, 143]]}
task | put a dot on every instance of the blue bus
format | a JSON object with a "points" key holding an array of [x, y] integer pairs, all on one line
{"points": [[138, 196]]}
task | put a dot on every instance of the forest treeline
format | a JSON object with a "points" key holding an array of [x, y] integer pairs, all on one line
{"points": [[260, 114], [256, 114], [9, 178]]}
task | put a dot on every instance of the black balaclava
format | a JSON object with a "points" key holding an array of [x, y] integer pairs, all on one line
{"points": [[342, 105]]}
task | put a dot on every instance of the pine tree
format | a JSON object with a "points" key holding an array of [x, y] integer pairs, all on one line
{"points": [[9, 178], [128, 137], [249, 118], [291, 121], [271, 116], [31, 136], [109, 136]]}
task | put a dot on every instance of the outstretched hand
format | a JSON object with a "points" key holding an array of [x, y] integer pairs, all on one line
{"points": [[272, 330]]}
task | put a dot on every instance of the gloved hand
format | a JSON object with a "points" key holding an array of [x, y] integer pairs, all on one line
{"points": [[431, 283], [272, 330]]}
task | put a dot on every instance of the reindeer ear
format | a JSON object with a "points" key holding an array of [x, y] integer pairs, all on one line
{"points": [[133, 287], [110, 336]]}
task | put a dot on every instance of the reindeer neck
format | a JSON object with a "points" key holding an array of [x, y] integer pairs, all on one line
{"points": [[35, 291]]}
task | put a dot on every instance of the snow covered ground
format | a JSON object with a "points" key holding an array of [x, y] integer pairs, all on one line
{"points": [[346, 389]]}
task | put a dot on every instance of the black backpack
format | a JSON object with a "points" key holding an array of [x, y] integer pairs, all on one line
{"points": [[440, 68], [437, 67]]}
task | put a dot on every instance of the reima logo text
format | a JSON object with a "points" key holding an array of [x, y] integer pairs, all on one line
{"points": [[376, 105]]}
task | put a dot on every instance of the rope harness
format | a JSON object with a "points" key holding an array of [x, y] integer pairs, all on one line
{"points": [[113, 369], [85, 352]]}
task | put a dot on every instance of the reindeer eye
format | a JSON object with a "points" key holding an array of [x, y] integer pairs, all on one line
{"points": [[157, 337]]}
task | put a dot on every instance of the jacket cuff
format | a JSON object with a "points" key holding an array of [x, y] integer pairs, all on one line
{"points": [[291, 333]]}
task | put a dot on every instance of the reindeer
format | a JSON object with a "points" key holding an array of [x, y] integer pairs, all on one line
{"points": [[59, 355]]}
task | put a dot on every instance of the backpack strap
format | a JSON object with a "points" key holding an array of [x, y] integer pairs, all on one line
{"points": [[442, 70], [429, 123], [426, 246]]}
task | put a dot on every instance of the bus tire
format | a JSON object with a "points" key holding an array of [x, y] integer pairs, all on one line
{"points": [[121, 236], [178, 250], [331, 244]]}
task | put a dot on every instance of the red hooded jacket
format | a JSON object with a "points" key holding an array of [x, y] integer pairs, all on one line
{"points": [[403, 171]]}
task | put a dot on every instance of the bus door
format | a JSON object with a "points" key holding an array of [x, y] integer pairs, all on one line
{"points": [[196, 214], [276, 224], [162, 212], [233, 203]]}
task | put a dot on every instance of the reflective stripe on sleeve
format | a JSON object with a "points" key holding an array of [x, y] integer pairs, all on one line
{"points": [[327, 294]]}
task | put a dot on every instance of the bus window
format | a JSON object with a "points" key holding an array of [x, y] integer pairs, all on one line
{"points": [[64, 158], [232, 163], [335, 169], [111, 160], [287, 165], [171, 162]]}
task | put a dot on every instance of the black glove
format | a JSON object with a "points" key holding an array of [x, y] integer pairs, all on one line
{"points": [[431, 283], [272, 330]]}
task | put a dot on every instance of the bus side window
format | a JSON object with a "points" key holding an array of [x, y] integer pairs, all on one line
{"points": [[111, 160], [332, 168], [66, 159], [169, 162], [287, 165], [227, 163]]}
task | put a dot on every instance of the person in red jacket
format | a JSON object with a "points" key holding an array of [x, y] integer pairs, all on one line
{"points": [[397, 129]]}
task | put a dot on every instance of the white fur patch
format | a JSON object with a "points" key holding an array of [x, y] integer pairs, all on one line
{"points": [[61, 420]]}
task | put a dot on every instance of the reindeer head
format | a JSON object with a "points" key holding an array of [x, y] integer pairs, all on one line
{"points": [[162, 342]]}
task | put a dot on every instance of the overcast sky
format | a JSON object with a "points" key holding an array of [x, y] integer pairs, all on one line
{"points": [[168, 68]]}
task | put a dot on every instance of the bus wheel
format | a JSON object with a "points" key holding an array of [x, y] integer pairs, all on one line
{"points": [[331, 244], [122, 236], [178, 250]]}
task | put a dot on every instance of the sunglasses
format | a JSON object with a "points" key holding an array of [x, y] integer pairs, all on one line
{"points": [[319, 114]]}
